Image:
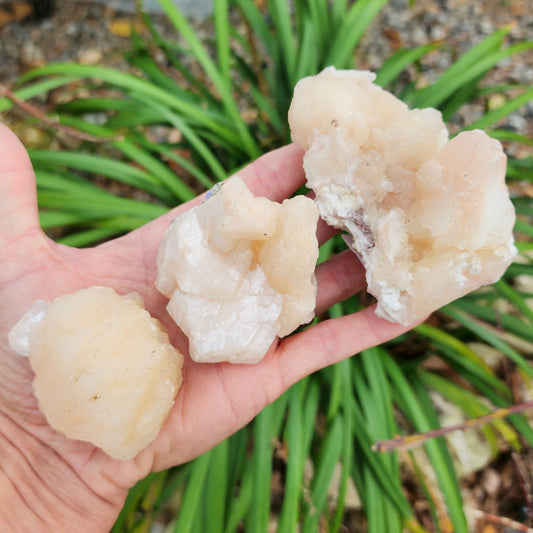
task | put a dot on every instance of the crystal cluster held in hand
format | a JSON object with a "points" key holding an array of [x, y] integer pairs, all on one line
{"points": [[105, 371], [239, 271], [430, 218]]}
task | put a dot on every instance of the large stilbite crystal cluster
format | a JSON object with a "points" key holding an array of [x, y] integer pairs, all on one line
{"points": [[105, 371], [239, 271], [430, 218]]}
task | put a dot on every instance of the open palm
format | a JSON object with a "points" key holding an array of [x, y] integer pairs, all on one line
{"points": [[59, 483]]}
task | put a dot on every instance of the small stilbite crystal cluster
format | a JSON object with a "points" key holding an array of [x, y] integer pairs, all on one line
{"points": [[429, 217], [239, 271], [105, 371]]}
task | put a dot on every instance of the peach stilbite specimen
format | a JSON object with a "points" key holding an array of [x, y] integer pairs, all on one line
{"points": [[429, 217], [105, 371], [239, 271]]}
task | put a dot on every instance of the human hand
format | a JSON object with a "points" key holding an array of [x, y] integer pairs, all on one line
{"points": [[49, 482]]}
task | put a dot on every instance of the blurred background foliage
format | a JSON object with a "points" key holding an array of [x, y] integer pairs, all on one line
{"points": [[190, 112]]}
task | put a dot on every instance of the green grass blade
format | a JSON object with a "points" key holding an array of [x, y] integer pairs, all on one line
{"points": [[149, 93], [399, 61], [191, 506], [216, 489], [484, 333], [240, 482], [354, 25], [462, 355], [167, 179], [259, 27], [222, 30], [416, 404], [302, 409], [281, 18], [35, 89], [505, 110], [307, 63], [259, 512], [140, 498], [196, 142], [347, 452], [225, 89], [99, 165], [514, 297], [329, 457], [470, 66]]}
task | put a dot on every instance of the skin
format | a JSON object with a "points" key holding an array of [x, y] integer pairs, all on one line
{"points": [[51, 483]]}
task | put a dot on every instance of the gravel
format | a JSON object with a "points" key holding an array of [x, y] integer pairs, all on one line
{"points": [[94, 33]]}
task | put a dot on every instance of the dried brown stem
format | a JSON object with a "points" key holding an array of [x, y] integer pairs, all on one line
{"points": [[499, 520], [411, 441], [51, 122]]}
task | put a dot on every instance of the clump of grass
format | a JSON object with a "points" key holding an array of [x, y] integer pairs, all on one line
{"points": [[228, 100]]}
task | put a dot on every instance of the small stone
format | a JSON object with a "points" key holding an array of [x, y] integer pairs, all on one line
{"points": [[32, 56], [91, 56], [239, 271]]}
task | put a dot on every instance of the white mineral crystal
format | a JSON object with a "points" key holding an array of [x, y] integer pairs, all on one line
{"points": [[239, 271], [429, 217], [105, 371]]}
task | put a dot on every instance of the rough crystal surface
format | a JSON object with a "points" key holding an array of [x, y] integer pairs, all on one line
{"points": [[239, 271], [429, 217], [105, 371]]}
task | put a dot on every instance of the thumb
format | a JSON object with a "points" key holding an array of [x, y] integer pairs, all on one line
{"points": [[18, 196]]}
